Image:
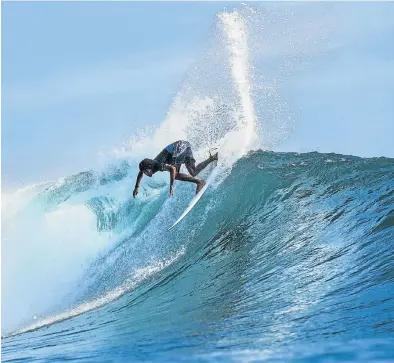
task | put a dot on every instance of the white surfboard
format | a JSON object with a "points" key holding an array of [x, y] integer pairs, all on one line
{"points": [[194, 200]]}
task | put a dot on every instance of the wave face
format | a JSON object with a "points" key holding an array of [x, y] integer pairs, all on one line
{"points": [[287, 255]]}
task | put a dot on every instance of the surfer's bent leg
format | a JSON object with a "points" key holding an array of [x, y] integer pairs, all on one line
{"points": [[195, 170], [184, 177]]}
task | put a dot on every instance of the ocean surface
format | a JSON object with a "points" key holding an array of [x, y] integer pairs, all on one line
{"points": [[287, 258]]}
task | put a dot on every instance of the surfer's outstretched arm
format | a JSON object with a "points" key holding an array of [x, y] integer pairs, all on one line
{"points": [[172, 171], [137, 183]]}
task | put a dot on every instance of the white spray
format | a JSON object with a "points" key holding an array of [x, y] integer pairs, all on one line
{"points": [[235, 30], [219, 82]]}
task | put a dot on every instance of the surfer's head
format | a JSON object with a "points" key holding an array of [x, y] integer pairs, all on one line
{"points": [[149, 166]]}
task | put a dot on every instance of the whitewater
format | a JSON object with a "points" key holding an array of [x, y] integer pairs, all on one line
{"points": [[288, 257]]}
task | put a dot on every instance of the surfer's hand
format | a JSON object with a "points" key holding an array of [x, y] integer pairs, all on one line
{"points": [[135, 192], [171, 191]]}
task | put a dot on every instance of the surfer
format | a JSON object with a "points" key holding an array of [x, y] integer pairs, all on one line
{"points": [[171, 159]]}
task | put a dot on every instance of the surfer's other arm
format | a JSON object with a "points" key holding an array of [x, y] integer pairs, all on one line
{"points": [[137, 183], [172, 170]]}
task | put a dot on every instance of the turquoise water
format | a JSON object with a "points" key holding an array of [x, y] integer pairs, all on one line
{"points": [[287, 258]]}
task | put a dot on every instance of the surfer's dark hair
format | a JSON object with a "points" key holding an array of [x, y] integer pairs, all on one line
{"points": [[150, 164]]}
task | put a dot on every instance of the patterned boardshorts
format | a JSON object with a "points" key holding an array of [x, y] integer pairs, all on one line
{"points": [[176, 153]]}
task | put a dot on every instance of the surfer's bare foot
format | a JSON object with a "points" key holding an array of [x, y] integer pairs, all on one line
{"points": [[214, 156], [200, 185]]}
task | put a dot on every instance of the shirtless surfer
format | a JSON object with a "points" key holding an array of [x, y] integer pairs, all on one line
{"points": [[170, 159]]}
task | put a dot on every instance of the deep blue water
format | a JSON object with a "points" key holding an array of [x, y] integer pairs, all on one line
{"points": [[288, 258]]}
